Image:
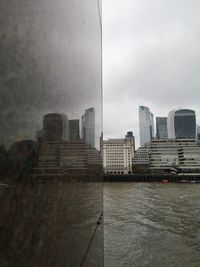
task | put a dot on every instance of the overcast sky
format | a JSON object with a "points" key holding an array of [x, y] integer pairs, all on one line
{"points": [[151, 56]]}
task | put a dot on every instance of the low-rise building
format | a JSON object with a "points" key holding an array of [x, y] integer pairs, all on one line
{"points": [[174, 155], [141, 156], [117, 155], [141, 160]]}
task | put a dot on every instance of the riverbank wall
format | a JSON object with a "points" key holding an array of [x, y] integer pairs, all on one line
{"points": [[151, 178]]}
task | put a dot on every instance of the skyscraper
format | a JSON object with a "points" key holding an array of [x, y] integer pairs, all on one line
{"points": [[198, 134], [88, 127], [146, 125], [74, 130], [161, 127], [181, 123], [152, 125]]}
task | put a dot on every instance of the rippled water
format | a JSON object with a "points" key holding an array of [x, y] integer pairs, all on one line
{"points": [[151, 224]]}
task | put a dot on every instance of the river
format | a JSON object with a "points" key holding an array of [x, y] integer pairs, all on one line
{"points": [[151, 224]]}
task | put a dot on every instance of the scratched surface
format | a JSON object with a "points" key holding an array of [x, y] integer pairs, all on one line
{"points": [[51, 224]]}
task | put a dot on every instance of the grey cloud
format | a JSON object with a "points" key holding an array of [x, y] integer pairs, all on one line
{"points": [[151, 54]]}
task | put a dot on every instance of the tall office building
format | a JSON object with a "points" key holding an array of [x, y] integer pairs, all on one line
{"points": [[198, 134], [161, 127], [181, 123], [146, 126], [74, 130], [152, 126], [88, 127]]}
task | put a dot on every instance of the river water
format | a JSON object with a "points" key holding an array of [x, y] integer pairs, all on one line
{"points": [[151, 224]]}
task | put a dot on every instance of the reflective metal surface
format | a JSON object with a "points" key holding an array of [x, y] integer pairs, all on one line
{"points": [[50, 201]]}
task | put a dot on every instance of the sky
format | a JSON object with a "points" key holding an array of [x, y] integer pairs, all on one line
{"points": [[151, 57]]}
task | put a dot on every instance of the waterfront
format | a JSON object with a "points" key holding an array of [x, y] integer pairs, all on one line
{"points": [[151, 224]]}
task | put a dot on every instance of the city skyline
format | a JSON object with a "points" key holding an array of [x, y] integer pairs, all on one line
{"points": [[150, 59], [137, 129]]}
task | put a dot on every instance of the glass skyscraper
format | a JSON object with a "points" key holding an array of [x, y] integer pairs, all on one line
{"points": [[146, 125], [181, 123], [161, 127]]}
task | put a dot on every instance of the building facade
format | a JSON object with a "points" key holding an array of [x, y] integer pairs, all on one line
{"points": [[161, 127], [198, 134], [140, 162], [181, 123], [117, 156], [174, 155], [88, 127], [146, 126], [74, 131], [141, 156], [56, 127]]}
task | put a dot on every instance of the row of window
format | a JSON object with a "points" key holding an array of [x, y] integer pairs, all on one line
{"points": [[129, 172]]}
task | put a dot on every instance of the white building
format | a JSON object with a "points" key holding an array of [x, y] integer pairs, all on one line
{"points": [[146, 125], [117, 155]]}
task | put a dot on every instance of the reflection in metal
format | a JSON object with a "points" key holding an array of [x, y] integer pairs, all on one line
{"points": [[50, 75]]}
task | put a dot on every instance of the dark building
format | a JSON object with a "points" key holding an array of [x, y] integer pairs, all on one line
{"points": [[40, 136], [74, 130], [181, 124], [198, 134], [161, 127], [56, 127], [23, 154], [131, 137], [129, 134]]}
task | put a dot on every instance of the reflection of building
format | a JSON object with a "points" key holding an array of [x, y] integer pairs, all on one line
{"points": [[117, 155], [146, 125], [64, 158], [178, 155], [88, 127], [161, 127], [40, 136], [74, 130], [60, 156], [56, 127], [181, 124], [51, 59], [22, 156]]}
